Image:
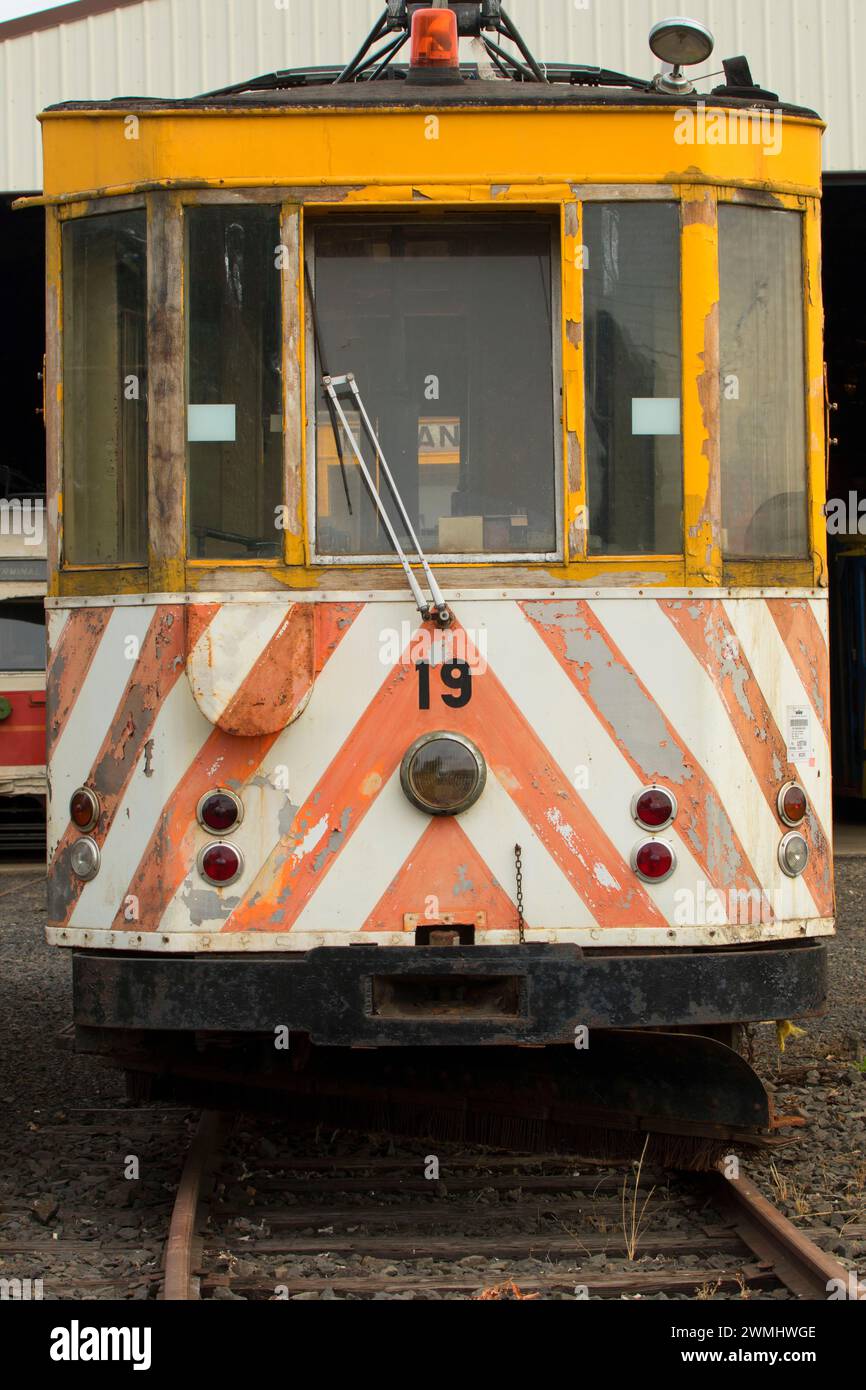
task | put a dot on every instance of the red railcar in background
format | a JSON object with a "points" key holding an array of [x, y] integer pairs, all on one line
{"points": [[23, 782]]}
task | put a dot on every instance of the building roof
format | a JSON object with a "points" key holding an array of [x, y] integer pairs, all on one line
{"points": [[94, 50], [60, 14]]}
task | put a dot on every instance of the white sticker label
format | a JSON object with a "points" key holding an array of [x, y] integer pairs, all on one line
{"points": [[799, 734], [210, 424], [655, 415]]}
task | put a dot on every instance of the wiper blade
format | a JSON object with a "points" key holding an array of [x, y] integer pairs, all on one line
{"points": [[435, 607]]}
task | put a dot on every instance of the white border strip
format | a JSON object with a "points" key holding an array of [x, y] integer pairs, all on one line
{"points": [[580, 589], [242, 943]]}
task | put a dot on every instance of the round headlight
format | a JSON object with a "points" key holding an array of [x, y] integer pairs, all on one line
{"points": [[84, 858], [84, 808], [653, 860], [219, 811], [220, 864], [443, 774], [793, 854], [654, 808], [792, 804]]}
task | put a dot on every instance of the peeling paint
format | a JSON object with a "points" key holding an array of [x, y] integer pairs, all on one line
{"points": [[604, 877], [311, 839], [723, 859], [207, 905], [636, 720], [463, 884], [286, 818], [334, 840]]}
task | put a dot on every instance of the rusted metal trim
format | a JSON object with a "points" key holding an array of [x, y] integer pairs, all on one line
{"points": [[166, 449], [292, 298], [243, 991], [701, 386], [573, 391], [53, 397]]}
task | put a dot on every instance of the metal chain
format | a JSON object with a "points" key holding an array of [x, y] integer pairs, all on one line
{"points": [[521, 926]]}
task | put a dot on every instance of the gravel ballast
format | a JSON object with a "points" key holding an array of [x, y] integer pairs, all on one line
{"points": [[64, 1182]]}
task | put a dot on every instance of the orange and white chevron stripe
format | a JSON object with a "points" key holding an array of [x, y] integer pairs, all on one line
{"points": [[304, 706]]}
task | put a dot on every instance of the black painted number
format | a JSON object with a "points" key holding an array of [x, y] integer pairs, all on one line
{"points": [[456, 677]]}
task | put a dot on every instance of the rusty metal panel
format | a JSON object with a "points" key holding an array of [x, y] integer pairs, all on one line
{"points": [[305, 706], [182, 47]]}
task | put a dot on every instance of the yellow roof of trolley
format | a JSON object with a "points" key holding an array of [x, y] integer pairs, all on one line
{"points": [[383, 124]]}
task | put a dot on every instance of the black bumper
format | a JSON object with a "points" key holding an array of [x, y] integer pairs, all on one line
{"points": [[476, 995]]}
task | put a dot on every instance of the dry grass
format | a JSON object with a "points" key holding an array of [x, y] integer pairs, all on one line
{"points": [[745, 1291], [705, 1292], [632, 1218]]}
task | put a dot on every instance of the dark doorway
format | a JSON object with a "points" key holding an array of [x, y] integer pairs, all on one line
{"points": [[844, 284], [22, 347]]}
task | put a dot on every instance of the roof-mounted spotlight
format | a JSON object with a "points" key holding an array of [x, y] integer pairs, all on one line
{"points": [[681, 43]]}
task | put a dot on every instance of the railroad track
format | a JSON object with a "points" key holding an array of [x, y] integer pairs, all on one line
{"points": [[307, 1217], [87, 1198]]}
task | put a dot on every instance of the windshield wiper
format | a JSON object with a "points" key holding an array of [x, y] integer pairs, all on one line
{"points": [[435, 607]]}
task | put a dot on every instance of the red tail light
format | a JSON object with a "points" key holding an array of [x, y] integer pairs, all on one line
{"points": [[220, 864], [792, 803], [434, 39], [654, 808], [653, 860], [84, 808], [219, 811]]}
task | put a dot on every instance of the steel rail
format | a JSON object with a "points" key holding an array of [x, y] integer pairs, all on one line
{"points": [[179, 1283], [801, 1265]]}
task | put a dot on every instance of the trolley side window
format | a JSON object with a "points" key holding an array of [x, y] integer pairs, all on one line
{"points": [[448, 330], [234, 382], [105, 389], [633, 375], [763, 403], [22, 637]]}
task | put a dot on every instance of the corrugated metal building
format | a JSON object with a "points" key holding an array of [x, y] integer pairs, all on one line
{"points": [[804, 49], [807, 50]]}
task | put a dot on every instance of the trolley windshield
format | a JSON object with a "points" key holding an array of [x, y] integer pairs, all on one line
{"points": [[447, 328]]}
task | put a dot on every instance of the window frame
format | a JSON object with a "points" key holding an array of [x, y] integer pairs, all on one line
{"points": [[451, 214], [169, 567], [55, 344], [735, 557], [801, 570], [278, 204], [672, 198]]}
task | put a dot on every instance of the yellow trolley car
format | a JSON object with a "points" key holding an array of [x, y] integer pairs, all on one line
{"points": [[437, 580]]}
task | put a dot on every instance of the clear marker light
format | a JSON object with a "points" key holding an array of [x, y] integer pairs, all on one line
{"points": [[84, 858], [793, 854]]}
